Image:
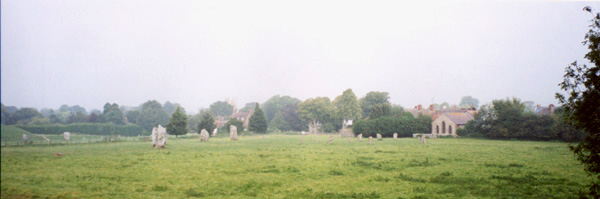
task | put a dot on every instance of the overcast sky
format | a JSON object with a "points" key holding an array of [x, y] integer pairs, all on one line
{"points": [[89, 52]]}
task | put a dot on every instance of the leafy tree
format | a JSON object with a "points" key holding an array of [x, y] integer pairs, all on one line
{"points": [[93, 118], [112, 114], [194, 120], [4, 114], [40, 121], [178, 123], [133, 116], [258, 121], [152, 114], [467, 101], [171, 107], [275, 104], [207, 122], [582, 104], [249, 106], [24, 116], [221, 108], [290, 115], [397, 111], [235, 122], [279, 123], [346, 106], [315, 110], [47, 112], [380, 110], [372, 98]]}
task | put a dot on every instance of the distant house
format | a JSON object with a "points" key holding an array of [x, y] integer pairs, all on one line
{"points": [[539, 110], [244, 117], [220, 122], [447, 123]]}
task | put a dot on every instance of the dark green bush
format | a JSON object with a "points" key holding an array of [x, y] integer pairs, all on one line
{"points": [[387, 126], [87, 128]]}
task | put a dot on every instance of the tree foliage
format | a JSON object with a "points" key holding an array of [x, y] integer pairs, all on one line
{"points": [[112, 114], [315, 110], [221, 108], [178, 123], [346, 106], [274, 104], [152, 114], [380, 110], [582, 103], [235, 122], [258, 121], [373, 98], [207, 122], [405, 126], [467, 101]]}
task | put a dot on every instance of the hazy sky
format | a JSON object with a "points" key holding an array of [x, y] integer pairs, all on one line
{"points": [[89, 52]]}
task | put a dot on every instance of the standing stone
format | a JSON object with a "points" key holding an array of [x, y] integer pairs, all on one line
{"points": [[379, 138], [67, 136], [233, 132], [46, 139], [370, 139], [359, 137], [203, 135], [423, 140], [161, 138], [214, 133], [303, 133], [395, 136], [154, 136], [25, 139]]}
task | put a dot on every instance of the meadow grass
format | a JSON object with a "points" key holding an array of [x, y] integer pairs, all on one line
{"points": [[282, 166]]}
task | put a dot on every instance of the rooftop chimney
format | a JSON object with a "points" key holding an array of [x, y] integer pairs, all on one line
{"points": [[431, 107], [420, 107]]}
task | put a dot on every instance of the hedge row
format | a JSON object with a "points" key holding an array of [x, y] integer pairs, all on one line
{"points": [[387, 126], [87, 128]]}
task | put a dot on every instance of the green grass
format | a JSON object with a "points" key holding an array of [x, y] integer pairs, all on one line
{"points": [[282, 166], [13, 136], [11, 133]]}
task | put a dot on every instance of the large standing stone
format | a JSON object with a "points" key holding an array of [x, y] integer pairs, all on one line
{"points": [[154, 136], [203, 135], [161, 138], [395, 136], [67, 136], [370, 139], [233, 132], [359, 137], [379, 138], [214, 133], [25, 138]]}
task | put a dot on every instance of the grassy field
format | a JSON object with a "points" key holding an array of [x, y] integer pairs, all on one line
{"points": [[13, 136], [282, 166]]}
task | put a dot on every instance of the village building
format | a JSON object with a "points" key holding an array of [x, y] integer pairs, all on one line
{"points": [[447, 123], [242, 116], [549, 110]]}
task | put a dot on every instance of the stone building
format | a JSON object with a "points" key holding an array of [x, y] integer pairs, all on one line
{"points": [[242, 116], [447, 123]]}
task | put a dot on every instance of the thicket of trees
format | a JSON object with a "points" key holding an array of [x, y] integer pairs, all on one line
{"points": [[258, 121], [508, 119]]}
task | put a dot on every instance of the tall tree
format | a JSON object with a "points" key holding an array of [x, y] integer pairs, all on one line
{"points": [[258, 121], [372, 98], [346, 107], [467, 101], [207, 122], [5, 114], [152, 114], [248, 107], [275, 104], [178, 123], [380, 110], [315, 110], [221, 108], [582, 104], [112, 114], [171, 107], [24, 116]]}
